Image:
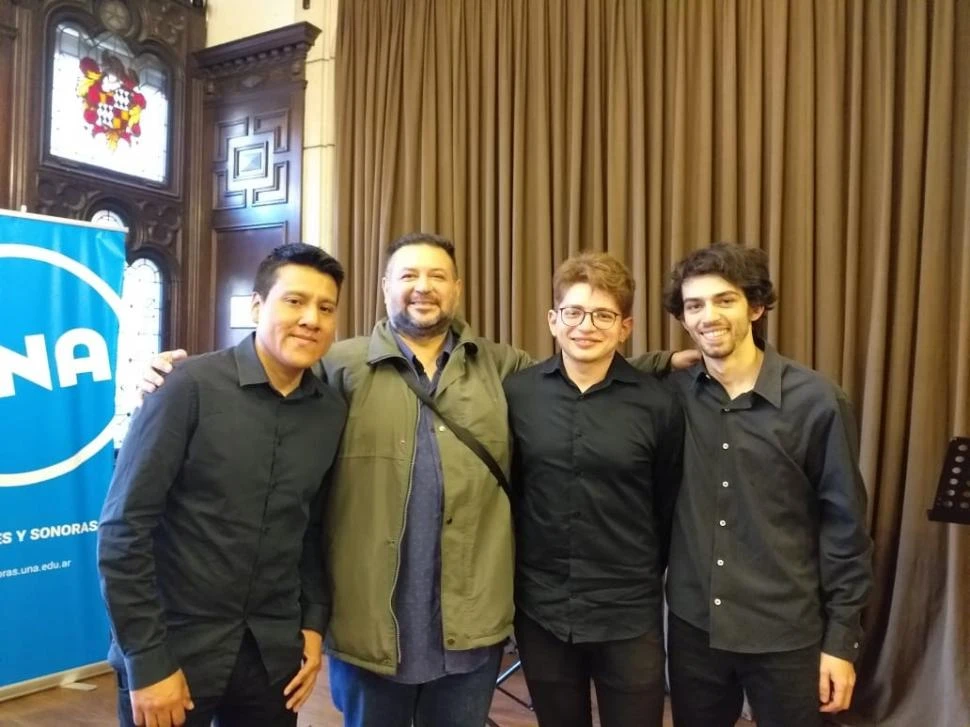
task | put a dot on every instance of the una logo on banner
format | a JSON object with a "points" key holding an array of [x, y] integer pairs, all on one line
{"points": [[49, 362]]}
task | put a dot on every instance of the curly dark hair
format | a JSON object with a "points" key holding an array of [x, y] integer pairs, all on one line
{"points": [[744, 267]]}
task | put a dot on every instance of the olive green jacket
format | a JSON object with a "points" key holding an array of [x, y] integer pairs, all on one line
{"points": [[365, 516]]}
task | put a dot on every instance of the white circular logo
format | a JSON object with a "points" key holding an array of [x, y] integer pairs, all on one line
{"points": [[86, 275]]}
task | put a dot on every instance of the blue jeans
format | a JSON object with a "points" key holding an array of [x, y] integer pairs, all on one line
{"points": [[371, 700]]}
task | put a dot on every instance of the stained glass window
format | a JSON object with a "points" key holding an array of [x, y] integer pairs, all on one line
{"points": [[109, 108]]}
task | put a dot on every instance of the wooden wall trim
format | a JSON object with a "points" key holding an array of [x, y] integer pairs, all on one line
{"points": [[276, 45]]}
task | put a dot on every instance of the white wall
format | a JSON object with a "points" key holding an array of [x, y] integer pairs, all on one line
{"points": [[228, 20]]}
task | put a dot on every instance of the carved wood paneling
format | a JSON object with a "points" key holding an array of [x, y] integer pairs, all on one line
{"points": [[154, 220], [254, 126]]}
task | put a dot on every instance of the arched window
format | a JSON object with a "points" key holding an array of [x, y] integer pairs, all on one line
{"points": [[108, 107], [139, 336], [140, 330], [108, 218]]}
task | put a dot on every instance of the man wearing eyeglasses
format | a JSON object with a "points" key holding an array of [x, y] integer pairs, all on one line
{"points": [[596, 467]]}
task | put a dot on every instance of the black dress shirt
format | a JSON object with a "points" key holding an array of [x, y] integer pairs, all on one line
{"points": [[596, 476], [769, 550], [211, 525]]}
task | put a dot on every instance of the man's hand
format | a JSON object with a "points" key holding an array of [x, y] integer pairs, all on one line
{"points": [[154, 375], [301, 686], [836, 680], [163, 703], [684, 359]]}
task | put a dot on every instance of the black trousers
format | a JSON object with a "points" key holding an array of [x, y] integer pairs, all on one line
{"points": [[628, 676], [707, 685], [250, 700]]}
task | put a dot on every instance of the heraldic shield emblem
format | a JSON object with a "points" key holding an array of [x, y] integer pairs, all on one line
{"points": [[111, 99]]}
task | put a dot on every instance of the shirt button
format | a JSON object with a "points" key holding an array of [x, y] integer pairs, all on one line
{"points": [[723, 523], [725, 484], [725, 410], [725, 446], [720, 562], [441, 427], [855, 645], [717, 601]]}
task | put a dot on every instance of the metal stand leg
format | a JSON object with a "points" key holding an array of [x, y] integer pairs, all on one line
{"points": [[502, 678]]}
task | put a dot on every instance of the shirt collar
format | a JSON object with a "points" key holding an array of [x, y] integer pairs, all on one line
{"points": [[413, 360], [250, 371], [620, 369], [768, 384], [384, 342]]}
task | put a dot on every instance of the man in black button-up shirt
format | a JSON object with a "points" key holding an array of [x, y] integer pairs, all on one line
{"points": [[209, 542], [770, 561], [596, 467]]}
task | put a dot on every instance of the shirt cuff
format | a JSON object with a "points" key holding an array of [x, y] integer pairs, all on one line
{"points": [[149, 667], [315, 617], [842, 641]]}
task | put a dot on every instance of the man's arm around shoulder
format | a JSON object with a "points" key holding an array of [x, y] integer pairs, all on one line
{"points": [[508, 359]]}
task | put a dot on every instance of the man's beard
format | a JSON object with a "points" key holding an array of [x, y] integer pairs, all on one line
{"points": [[405, 325]]}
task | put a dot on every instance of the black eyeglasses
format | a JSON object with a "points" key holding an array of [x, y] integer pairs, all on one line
{"points": [[572, 316]]}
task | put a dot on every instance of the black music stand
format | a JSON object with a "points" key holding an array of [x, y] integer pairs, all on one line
{"points": [[952, 503]]}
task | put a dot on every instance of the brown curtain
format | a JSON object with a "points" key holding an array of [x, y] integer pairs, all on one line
{"points": [[835, 134]]}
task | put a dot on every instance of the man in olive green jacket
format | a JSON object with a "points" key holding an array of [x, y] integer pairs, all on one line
{"points": [[365, 520], [418, 531], [366, 514]]}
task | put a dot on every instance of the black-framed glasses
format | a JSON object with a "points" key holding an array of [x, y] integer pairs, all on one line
{"points": [[573, 315]]}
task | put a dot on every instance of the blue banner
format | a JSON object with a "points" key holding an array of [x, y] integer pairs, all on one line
{"points": [[59, 283]]}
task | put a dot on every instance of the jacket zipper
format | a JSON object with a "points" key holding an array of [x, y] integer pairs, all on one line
{"points": [[400, 539], [404, 523]]}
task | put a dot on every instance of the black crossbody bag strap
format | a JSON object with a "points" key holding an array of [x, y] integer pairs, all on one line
{"points": [[466, 437]]}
